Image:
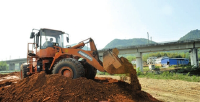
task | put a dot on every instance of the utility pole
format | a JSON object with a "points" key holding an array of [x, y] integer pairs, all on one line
{"points": [[148, 38], [151, 39]]}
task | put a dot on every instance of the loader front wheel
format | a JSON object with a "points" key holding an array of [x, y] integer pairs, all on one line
{"points": [[23, 71], [90, 71], [69, 67]]}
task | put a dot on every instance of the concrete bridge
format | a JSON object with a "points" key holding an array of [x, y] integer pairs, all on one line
{"points": [[12, 63], [193, 45]]}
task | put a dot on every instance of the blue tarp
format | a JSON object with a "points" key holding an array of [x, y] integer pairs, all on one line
{"points": [[174, 61]]}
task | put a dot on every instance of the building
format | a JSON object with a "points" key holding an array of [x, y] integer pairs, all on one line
{"points": [[174, 61], [151, 60], [155, 60], [133, 61], [158, 60]]}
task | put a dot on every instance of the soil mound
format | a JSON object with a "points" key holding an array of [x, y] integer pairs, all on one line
{"points": [[41, 87]]}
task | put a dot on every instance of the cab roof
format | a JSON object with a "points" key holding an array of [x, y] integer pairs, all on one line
{"points": [[52, 32]]}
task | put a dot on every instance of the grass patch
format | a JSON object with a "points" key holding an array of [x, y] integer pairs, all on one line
{"points": [[186, 73], [173, 76]]}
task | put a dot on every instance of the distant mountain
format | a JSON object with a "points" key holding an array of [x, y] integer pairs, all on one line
{"points": [[127, 42], [84, 48], [194, 34]]}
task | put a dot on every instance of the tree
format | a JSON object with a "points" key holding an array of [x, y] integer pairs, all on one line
{"points": [[130, 58], [3, 66]]}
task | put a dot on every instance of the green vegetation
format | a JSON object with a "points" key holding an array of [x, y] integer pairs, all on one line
{"points": [[186, 73], [191, 69], [163, 75], [127, 42], [177, 54], [174, 76], [130, 58], [3, 66], [194, 34], [172, 54]]}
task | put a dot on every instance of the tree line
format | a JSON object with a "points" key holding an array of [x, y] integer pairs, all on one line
{"points": [[145, 56], [3, 66]]}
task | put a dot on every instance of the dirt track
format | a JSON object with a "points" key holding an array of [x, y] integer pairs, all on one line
{"points": [[169, 90]]}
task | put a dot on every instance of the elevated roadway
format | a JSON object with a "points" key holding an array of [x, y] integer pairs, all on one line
{"points": [[193, 45]]}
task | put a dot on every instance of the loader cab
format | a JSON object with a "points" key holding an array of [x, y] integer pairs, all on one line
{"points": [[48, 38]]}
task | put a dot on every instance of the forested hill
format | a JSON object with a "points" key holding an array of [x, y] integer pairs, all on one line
{"points": [[194, 34], [127, 42]]}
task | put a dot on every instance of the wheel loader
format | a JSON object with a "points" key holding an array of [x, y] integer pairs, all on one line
{"points": [[49, 52]]}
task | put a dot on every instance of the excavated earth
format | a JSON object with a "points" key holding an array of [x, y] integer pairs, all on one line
{"points": [[41, 87]]}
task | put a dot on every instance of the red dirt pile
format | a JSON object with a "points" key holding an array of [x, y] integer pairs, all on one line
{"points": [[41, 87]]}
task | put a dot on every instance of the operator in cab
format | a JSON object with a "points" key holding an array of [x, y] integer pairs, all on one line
{"points": [[48, 43]]}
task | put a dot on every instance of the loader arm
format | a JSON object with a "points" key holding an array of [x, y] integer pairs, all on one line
{"points": [[111, 62]]}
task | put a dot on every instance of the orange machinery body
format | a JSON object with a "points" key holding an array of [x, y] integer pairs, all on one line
{"points": [[56, 53]]}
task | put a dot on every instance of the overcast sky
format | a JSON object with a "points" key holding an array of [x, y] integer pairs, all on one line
{"points": [[102, 20]]}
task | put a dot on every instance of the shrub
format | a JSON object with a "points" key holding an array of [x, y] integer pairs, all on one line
{"points": [[138, 71]]}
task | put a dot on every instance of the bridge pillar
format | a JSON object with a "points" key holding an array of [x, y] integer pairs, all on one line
{"points": [[139, 61], [12, 66], [194, 57], [19, 65]]}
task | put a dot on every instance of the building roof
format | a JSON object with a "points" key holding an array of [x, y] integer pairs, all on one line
{"points": [[174, 58]]}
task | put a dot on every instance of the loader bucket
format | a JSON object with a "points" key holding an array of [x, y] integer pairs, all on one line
{"points": [[113, 64]]}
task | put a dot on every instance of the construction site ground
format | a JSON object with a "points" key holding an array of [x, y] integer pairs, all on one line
{"points": [[163, 90], [41, 87], [168, 90]]}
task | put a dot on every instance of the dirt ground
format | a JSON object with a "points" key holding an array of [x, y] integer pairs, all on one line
{"points": [[56, 88], [163, 90], [169, 90]]}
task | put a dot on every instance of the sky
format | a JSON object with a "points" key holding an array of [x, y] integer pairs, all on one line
{"points": [[102, 20]]}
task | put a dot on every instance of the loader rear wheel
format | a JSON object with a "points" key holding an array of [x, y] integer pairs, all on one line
{"points": [[69, 67], [23, 71]]}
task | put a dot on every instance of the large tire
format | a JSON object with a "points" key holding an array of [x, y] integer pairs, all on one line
{"points": [[90, 71], [23, 71], [69, 67]]}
